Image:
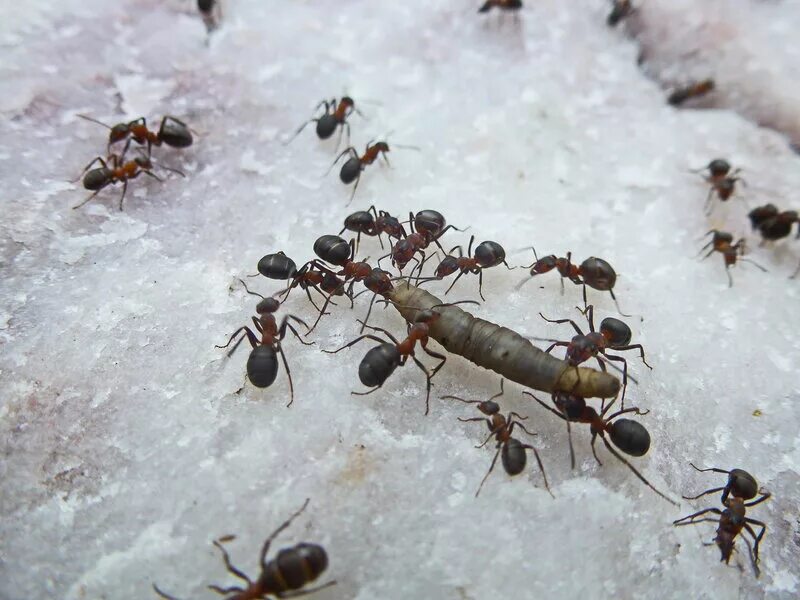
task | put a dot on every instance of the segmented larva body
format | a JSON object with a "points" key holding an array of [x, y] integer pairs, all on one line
{"points": [[500, 349]]}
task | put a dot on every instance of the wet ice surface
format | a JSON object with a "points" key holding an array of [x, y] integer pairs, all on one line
{"points": [[125, 447]]}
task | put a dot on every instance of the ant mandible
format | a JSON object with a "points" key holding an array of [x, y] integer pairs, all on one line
{"points": [[291, 570], [487, 254], [100, 178], [501, 427], [612, 335], [593, 272], [722, 242], [262, 364], [629, 436], [172, 132], [336, 115], [741, 486], [373, 224], [693, 90]]}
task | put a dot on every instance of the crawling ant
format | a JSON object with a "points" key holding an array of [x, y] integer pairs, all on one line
{"points": [[613, 335], [291, 570], [311, 275], [381, 361], [373, 224], [262, 364], [772, 223], [336, 115], [501, 427], [722, 242], [629, 436], [741, 486], [351, 169], [100, 178], [172, 132], [621, 10], [505, 5], [429, 226], [487, 254], [593, 272], [693, 90], [721, 179], [211, 12]]}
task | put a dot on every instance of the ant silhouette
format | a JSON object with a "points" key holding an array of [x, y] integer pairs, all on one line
{"points": [[487, 254], [172, 132], [722, 242], [336, 115]]}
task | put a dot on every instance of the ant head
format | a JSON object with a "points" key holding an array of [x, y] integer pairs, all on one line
{"points": [[719, 167], [268, 305], [347, 101], [741, 484], [429, 222], [489, 254], [381, 146], [379, 281], [598, 273], [721, 237], [629, 436], [118, 132], [427, 316], [489, 408], [616, 332], [571, 405], [448, 266], [332, 249]]}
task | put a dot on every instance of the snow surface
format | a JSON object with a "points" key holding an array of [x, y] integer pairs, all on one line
{"points": [[125, 448]]}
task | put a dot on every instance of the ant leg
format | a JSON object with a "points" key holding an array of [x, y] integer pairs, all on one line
{"points": [[501, 392], [624, 374], [714, 469], [728, 273], [594, 452], [752, 262], [231, 569], [306, 591], [89, 198], [554, 344], [352, 152], [288, 373], [571, 447], [550, 408], [296, 133], [428, 384], [753, 558], [321, 312], [355, 341], [711, 491], [224, 591], [633, 347], [369, 312], [389, 335], [541, 467], [87, 167], [454, 282], [616, 303], [433, 354], [639, 475], [355, 187], [758, 537], [265, 548], [559, 321], [690, 518], [286, 325], [124, 189], [491, 467], [759, 501], [162, 594], [251, 337], [376, 388]]}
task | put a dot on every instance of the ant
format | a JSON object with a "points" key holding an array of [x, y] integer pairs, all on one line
{"points": [[621, 10], [363, 221], [593, 272], [292, 569], [336, 115], [693, 90], [262, 364], [721, 179], [629, 436], [501, 427], [722, 242], [334, 250], [429, 226], [351, 169], [381, 361], [487, 254], [773, 224], [613, 335], [172, 132], [379, 282], [509, 5], [211, 12], [100, 178], [741, 486]]}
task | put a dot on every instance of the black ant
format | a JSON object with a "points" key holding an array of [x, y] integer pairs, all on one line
{"points": [[381, 361], [621, 10], [629, 436], [505, 5], [373, 224], [722, 242], [722, 180], [211, 12], [693, 90], [351, 169], [100, 178], [501, 427], [172, 132], [613, 335], [429, 226], [593, 272], [336, 115], [281, 267], [772, 223], [487, 254], [262, 364], [292, 569], [741, 486]]}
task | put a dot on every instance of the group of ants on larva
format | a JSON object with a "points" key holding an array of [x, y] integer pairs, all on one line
{"points": [[335, 272]]}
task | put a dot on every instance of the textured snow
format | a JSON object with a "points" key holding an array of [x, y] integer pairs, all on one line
{"points": [[125, 447]]}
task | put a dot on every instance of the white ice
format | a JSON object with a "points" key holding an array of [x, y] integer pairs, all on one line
{"points": [[125, 448]]}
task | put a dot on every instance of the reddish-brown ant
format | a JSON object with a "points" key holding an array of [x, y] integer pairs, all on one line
{"points": [[291, 570], [722, 242], [99, 179], [693, 90], [613, 335], [487, 254], [772, 223], [172, 132], [429, 226], [373, 224], [505, 5], [741, 486], [629, 436], [351, 169], [593, 272], [336, 115], [721, 179], [262, 364], [501, 427]]}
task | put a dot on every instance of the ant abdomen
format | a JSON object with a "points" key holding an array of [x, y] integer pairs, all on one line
{"points": [[176, 134], [262, 366], [448, 266], [513, 457], [332, 249], [96, 179], [630, 436], [598, 274], [326, 126], [742, 484], [350, 170], [616, 332], [489, 254], [378, 364], [294, 567], [277, 266]]}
